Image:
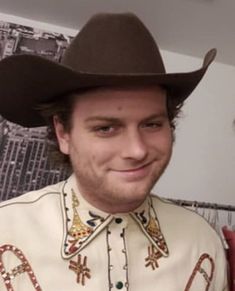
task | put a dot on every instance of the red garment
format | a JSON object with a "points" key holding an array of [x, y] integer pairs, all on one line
{"points": [[230, 238]]}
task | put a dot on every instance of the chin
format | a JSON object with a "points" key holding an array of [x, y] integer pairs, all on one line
{"points": [[136, 195]]}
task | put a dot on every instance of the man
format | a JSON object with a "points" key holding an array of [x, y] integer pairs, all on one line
{"points": [[112, 108]]}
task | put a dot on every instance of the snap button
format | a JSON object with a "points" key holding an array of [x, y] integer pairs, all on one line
{"points": [[118, 220], [119, 285]]}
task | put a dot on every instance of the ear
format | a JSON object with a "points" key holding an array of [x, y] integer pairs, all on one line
{"points": [[62, 135]]}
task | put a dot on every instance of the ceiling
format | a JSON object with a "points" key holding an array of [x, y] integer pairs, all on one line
{"points": [[189, 27]]}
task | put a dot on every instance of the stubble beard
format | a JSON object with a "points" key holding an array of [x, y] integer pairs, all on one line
{"points": [[102, 194]]}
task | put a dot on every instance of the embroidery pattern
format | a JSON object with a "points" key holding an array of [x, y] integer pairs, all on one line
{"points": [[152, 228], [143, 219], [199, 269], [93, 220], [126, 258], [155, 231], [110, 266], [153, 256], [109, 249], [81, 269], [24, 267], [78, 230], [151, 225]]}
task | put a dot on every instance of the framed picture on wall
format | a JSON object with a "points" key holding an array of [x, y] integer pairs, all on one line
{"points": [[24, 163]]}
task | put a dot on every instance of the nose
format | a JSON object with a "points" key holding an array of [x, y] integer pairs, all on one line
{"points": [[134, 146]]}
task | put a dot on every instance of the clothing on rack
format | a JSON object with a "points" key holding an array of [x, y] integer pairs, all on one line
{"points": [[227, 232], [208, 205], [230, 237]]}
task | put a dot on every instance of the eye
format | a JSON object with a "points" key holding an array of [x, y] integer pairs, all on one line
{"points": [[153, 125], [105, 130]]}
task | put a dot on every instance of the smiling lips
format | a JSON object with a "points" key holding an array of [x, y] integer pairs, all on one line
{"points": [[134, 174]]}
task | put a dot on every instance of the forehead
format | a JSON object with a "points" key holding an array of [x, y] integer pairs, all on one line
{"points": [[122, 98]]}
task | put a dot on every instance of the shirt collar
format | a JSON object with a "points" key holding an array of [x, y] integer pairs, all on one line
{"points": [[82, 222]]}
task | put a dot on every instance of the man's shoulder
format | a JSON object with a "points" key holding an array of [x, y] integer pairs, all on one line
{"points": [[182, 220], [20, 216], [168, 208], [173, 209], [32, 197]]}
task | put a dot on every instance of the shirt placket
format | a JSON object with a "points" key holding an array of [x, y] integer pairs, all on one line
{"points": [[117, 254]]}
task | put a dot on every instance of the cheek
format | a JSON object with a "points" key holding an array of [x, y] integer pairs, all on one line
{"points": [[169, 139], [168, 143], [100, 154], [164, 143]]}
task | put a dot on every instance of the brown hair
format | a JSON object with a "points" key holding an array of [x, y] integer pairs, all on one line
{"points": [[63, 108]]}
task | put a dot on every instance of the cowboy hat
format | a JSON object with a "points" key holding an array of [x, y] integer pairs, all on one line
{"points": [[110, 50]]}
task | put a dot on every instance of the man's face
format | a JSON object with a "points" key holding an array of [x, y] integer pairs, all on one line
{"points": [[119, 145]]}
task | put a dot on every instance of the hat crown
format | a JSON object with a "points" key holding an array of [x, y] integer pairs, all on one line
{"points": [[114, 44]]}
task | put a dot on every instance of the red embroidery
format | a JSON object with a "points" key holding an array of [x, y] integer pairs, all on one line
{"points": [[80, 268], [153, 256], [199, 269], [24, 267], [73, 248]]}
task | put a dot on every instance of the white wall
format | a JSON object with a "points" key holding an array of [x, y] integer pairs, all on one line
{"points": [[203, 163]]}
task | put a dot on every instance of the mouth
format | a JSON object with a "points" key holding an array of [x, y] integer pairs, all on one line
{"points": [[135, 169], [134, 174]]}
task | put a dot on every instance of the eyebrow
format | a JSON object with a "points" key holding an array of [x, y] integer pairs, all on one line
{"points": [[117, 120], [102, 118], [156, 116]]}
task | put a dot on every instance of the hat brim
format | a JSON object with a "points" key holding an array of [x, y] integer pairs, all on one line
{"points": [[28, 80]]}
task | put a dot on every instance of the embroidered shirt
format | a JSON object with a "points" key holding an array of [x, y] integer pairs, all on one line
{"points": [[52, 239]]}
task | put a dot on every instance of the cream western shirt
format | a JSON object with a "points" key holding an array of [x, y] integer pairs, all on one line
{"points": [[53, 240]]}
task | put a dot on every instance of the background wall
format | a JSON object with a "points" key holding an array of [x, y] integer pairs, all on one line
{"points": [[203, 163]]}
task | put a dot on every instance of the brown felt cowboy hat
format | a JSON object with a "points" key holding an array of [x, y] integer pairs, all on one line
{"points": [[110, 50]]}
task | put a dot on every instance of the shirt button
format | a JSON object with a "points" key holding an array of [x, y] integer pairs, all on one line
{"points": [[119, 285], [118, 220]]}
